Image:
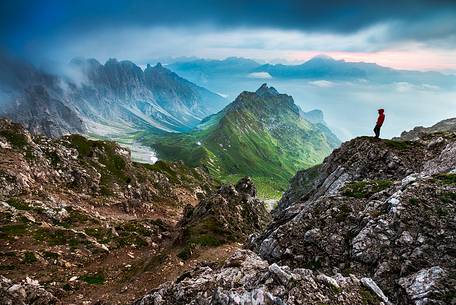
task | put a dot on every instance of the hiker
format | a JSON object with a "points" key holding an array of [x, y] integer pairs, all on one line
{"points": [[380, 120]]}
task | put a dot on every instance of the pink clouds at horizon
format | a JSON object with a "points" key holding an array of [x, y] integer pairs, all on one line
{"points": [[405, 60]]}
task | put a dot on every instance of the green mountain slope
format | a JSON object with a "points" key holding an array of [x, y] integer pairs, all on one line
{"points": [[261, 134]]}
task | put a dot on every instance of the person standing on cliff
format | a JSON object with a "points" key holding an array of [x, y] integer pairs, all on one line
{"points": [[380, 120]]}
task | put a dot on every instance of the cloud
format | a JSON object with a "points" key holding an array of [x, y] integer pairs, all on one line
{"points": [[261, 75], [422, 18], [141, 44], [401, 33], [25, 25], [322, 83], [405, 87]]}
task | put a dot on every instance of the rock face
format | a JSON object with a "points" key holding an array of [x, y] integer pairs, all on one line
{"points": [[245, 278], [36, 100], [384, 209], [26, 292], [155, 98], [374, 224], [230, 214], [110, 99], [448, 125]]}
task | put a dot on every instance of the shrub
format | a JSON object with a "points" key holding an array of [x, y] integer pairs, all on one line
{"points": [[93, 279], [366, 188]]}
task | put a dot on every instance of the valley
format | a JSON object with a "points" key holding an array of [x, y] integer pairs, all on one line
{"points": [[262, 134]]}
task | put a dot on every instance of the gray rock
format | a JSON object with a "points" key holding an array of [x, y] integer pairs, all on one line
{"points": [[421, 285], [369, 283]]}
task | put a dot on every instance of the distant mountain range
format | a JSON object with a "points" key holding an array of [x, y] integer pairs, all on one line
{"points": [[224, 75], [262, 134], [110, 99]]}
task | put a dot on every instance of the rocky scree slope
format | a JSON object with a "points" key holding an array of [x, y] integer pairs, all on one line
{"points": [[78, 216], [448, 125], [378, 208], [230, 214], [374, 224]]}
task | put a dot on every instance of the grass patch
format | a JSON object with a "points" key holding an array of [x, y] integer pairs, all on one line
{"points": [[414, 201], [365, 188], [7, 267], [17, 140], [448, 197], [51, 255], [54, 158], [113, 165], [67, 287], [75, 218], [29, 258], [448, 179], [344, 211], [18, 204], [8, 254], [367, 297], [186, 252], [8, 231], [93, 279], [399, 145], [207, 233], [314, 264], [206, 240], [81, 144], [56, 237]]}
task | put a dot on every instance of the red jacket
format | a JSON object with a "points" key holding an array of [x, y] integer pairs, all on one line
{"points": [[381, 117]]}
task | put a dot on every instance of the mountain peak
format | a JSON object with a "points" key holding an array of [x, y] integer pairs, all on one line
{"points": [[322, 56], [321, 59], [264, 90]]}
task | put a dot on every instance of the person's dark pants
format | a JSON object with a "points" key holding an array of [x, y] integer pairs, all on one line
{"points": [[377, 131]]}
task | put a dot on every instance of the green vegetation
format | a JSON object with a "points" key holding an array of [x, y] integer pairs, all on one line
{"points": [[261, 137], [368, 298], [54, 158], [17, 140], [113, 169], [365, 188], [344, 211], [413, 201], [129, 233], [448, 179], [399, 145], [186, 252], [29, 258], [448, 197], [205, 233], [314, 264], [74, 219], [50, 255], [56, 237], [7, 267], [18, 204], [93, 279], [11, 230]]}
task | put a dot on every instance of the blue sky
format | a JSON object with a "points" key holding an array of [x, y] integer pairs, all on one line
{"points": [[403, 34]]}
